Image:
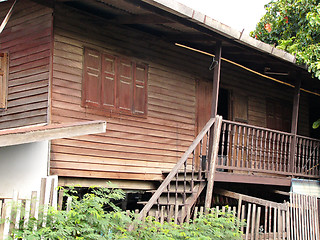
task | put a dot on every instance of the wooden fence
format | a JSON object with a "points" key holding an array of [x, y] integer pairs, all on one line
{"points": [[265, 220], [11, 209]]}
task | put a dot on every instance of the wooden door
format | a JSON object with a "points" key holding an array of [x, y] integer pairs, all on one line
{"points": [[204, 99]]}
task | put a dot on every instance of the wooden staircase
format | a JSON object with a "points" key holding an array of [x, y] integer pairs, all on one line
{"points": [[183, 185]]}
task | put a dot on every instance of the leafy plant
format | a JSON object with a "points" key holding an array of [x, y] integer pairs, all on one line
{"points": [[294, 26], [89, 219]]}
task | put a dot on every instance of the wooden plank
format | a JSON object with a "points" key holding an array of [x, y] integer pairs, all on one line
{"points": [[253, 220], [32, 134], [250, 199], [213, 155], [257, 224], [248, 222], [179, 164]]}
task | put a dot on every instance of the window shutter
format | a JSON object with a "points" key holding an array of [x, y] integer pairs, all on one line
{"points": [[4, 64], [140, 89], [108, 81], [92, 76], [125, 82]]}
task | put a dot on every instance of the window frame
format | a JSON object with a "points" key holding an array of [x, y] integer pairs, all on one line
{"points": [[135, 84]]}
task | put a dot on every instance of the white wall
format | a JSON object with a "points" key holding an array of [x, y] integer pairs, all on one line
{"points": [[22, 167]]}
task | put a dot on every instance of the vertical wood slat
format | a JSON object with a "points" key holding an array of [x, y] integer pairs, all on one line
{"points": [[248, 222], [253, 222], [257, 229]]}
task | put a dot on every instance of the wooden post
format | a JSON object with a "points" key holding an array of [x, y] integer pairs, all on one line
{"points": [[215, 94], [294, 123], [214, 109], [216, 81], [213, 156]]}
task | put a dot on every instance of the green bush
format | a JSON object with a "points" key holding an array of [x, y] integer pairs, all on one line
{"points": [[89, 219]]}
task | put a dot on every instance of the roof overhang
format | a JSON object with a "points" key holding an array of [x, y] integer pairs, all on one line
{"points": [[173, 22], [29, 134]]}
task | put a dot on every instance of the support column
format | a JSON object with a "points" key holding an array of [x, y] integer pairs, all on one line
{"points": [[294, 123], [214, 109], [216, 81]]}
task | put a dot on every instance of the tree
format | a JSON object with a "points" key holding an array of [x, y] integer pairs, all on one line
{"points": [[294, 26]]}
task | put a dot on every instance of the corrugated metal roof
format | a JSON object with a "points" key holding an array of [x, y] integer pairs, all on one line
{"points": [[306, 187]]}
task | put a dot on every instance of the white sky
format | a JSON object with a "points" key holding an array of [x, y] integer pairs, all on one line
{"points": [[238, 14]]}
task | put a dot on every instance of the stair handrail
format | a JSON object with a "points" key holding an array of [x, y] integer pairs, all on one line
{"points": [[174, 171]]}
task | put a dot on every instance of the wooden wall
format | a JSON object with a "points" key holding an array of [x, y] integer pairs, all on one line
{"points": [[28, 38], [258, 90], [133, 147], [138, 148]]}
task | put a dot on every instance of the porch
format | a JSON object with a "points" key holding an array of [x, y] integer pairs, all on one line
{"points": [[247, 149]]}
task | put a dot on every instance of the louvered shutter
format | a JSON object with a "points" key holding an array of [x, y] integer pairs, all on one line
{"points": [[4, 63], [124, 85], [92, 77], [108, 81], [140, 89]]}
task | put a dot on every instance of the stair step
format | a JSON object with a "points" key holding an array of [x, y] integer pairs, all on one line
{"points": [[174, 191], [162, 203]]}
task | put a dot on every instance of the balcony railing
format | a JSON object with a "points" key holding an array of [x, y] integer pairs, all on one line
{"points": [[248, 148]]}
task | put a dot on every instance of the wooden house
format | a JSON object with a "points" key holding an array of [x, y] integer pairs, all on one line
{"points": [[146, 67]]}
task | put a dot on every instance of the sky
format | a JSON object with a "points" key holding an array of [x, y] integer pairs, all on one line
{"points": [[238, 14]]}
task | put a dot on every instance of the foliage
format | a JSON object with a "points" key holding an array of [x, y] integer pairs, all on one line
{"points": [[294, 26], [88, 219], [316, 124]]}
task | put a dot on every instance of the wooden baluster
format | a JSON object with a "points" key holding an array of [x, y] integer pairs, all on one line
{"points": [[228, 143], [252, 147], [303, 157], [265, 153], [274, 136], [220, 160], [257, 149], [298, 163], [168, 199], [265, 222], [193, 169], [281, 167], [285, 158], [277, 152], [207, 153], [248, 147], [269, 150], [243, 146], [270, 222], [289, 154], [184, 183], [232, 144], [312, 156], [261, 150], [176, 189], [200, 158], [238, 147]]}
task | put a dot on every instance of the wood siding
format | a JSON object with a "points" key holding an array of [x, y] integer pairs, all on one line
{"points": [[27, 38], [134, 147], [140, 148]]}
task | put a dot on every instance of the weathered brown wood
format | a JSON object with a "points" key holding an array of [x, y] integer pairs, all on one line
{"points": [[179, 164], [250, 199], [29, 61], [213, 155], [248, 222]]}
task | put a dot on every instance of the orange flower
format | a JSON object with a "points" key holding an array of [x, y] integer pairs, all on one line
{"points": [[268, 27], [286, 18]]}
